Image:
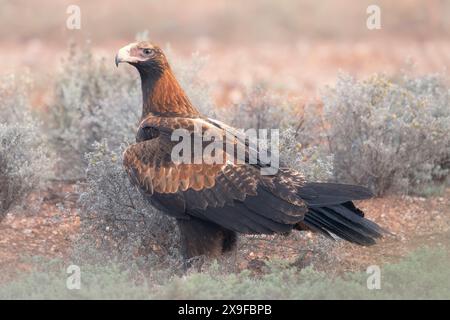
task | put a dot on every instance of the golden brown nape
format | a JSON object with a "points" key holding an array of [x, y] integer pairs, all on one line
{"points": [[160, 89]]}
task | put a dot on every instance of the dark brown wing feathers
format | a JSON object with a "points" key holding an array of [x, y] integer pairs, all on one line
{"points": [[235, 196]]}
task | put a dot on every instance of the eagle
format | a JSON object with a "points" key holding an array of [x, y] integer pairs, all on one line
{"points": [[213, 202]]}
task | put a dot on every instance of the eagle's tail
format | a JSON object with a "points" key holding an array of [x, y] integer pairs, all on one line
{"points": [[331, 212]]}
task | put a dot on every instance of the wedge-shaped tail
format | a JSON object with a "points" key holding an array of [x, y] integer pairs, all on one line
{"points": [[332, 212]]}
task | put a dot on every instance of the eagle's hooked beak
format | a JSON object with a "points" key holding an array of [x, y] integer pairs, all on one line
{"points": [[123, 55], [117, 60]]}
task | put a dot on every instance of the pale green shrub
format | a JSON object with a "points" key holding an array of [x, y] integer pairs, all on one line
{"points": [[93, 101], [25, 163], [389, 134], [116, 219]]}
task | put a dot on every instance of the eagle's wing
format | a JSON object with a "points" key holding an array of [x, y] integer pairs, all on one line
{"points": [[234, 196]]}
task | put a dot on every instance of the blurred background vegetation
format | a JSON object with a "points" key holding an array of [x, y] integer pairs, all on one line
{"points": [[352, 105], [223, 21]]}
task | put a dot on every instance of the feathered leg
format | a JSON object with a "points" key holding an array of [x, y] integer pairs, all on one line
{"points": [[203, 238]]}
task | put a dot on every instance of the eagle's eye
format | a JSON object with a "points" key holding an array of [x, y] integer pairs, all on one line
{"points": [[147, 51]]}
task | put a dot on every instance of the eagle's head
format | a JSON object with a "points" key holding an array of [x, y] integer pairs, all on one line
{"points": [[145, 56]]}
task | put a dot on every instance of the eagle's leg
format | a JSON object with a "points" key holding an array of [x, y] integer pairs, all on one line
{"points": [[203, 238]]}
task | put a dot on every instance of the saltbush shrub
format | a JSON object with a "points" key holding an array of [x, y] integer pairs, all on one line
{"points": [[262, 109], [299, 125], [24, 158], [116, 219], [92, 101]]}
